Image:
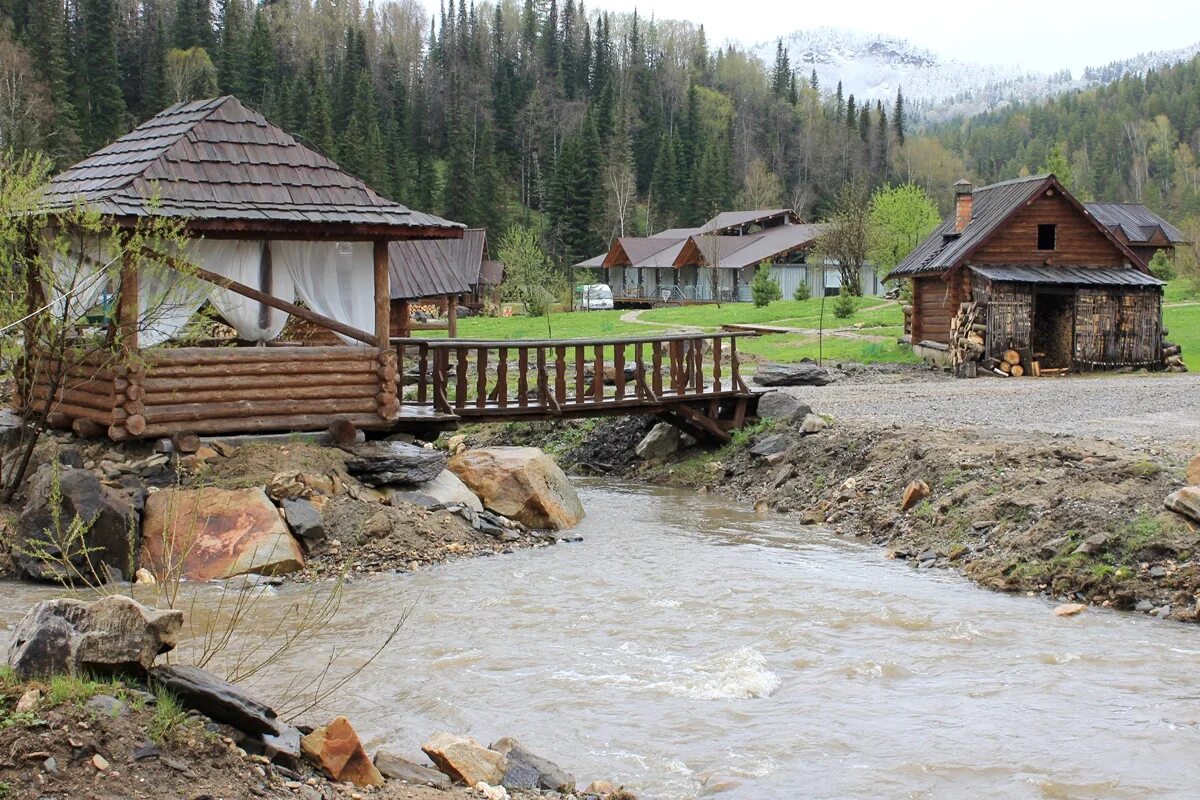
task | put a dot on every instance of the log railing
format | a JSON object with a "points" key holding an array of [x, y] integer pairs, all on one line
{"points": [[497, 378]]}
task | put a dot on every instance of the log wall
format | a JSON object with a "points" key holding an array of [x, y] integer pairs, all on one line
{"points": [[86, 395], [1078, 242], [935, 302]]}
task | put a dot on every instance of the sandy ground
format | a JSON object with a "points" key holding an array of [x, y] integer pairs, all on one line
{"points": [[1133, 409]]}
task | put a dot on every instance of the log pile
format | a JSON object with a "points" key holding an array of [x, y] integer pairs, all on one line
{"points": [[1009, 365], [968, 343], [1172, 356]]}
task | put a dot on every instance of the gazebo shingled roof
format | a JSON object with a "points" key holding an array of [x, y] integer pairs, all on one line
{"points": [[227, 170]]}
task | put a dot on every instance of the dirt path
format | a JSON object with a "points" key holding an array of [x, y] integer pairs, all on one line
{"points": [[1136, 409], [635, 317]]}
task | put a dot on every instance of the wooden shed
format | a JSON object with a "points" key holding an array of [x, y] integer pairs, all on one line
{"points": [[1023, 279], [275, 230]]}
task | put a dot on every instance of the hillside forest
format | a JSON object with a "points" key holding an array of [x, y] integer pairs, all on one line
{"points": [[580, 123]]}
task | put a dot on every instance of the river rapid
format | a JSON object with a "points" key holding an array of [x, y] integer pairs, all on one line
{"points": [[691, 647]]}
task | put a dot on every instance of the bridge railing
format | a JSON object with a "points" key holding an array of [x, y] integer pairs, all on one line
{"points": [[554, 376]]}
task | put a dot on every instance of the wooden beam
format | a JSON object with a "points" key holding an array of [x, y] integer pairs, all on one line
{"points": [[127, 304], [452, 316], [383, 294]]}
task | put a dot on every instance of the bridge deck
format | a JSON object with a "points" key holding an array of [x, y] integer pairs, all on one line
{"points": [[693, 380]]}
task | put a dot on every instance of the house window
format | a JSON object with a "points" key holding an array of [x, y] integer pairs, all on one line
{"points": [[1046, 237]]}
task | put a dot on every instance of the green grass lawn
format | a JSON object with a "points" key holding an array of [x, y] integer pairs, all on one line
{"points": [[563, 325], [1181, 291], [1183, 323], [789, 313]]}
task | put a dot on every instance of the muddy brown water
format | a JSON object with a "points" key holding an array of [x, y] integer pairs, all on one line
{"points": [[690, 647]]}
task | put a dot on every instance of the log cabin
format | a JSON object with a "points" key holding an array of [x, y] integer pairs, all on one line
{"points": [[1023, 275], [274, 230]]}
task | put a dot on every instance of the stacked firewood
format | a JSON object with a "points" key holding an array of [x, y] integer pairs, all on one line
{"points": [[967, 338], [1009, 365], [1172, 355]]}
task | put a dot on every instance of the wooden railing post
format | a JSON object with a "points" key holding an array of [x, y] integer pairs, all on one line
{"points": [[423, 366], [502, 378], [523, 375], [580, 381], [598, 374], [619, 371], [460, 388], [639, 372], [481, 358], [716, 363], [657, 378], [560, 375]]}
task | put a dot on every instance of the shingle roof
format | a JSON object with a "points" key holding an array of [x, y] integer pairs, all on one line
{"points": [[736, 219], [642, 250], [990, 205], [221, 164], [1135, 222], [1070, 276], [423, 268]]}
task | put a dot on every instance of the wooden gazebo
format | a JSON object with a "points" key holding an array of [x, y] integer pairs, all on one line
{"points": [[301, 227]]}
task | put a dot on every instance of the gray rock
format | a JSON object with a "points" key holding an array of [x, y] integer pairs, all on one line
{"points": [[146, 750], [383, 463], [1157, 572], [304, 519], [781, 405], [928, 555], [112, 635], [217, 699], [446, 488], [1093, 544], [769, 445], [662, 441], [813, 424], [524, 770], [1144, 606], [11, 427], [106, 705], [802, 373], [395, 768], [1164, 612], [416, 498], [110, 538], [1185, 502], [283, 746]]}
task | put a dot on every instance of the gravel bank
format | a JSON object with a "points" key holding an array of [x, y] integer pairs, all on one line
{"points": [[1133, 409]]}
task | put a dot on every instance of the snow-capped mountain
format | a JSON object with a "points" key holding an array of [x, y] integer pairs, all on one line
{"points": [[873, 67]]}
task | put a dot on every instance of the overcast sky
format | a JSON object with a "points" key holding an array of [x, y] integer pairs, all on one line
{"points": [[1044, 35]]}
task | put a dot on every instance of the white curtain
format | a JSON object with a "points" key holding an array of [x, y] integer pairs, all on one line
{"points": [[166, 301], [241, 261], [81, 278], [336, 279]]}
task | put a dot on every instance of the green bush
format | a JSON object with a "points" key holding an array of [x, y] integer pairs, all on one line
{"points": [[845, 306], [1161, 266], [763, 288], [802, 292]]}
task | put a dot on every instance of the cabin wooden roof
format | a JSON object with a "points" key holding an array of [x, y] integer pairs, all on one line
{"points": [[727, 220], [991, 207], [1135, 223], [227, 170], [1066, 276], [433, 267], [736, 252]]}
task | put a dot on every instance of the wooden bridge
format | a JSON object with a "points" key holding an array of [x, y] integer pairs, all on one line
{"points": [[690, 380]]}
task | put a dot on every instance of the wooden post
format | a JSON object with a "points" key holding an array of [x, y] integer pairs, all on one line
{"points": [[405, 314], [452, 316], [383, 295], [127, 304]]}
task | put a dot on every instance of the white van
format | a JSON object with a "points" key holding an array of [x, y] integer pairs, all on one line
{"points": [[596, 297]]}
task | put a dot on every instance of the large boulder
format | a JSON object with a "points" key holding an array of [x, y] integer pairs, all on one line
{"points": [[384, 463], [337, 751], [464, 759], [781, 405], [801, 373], [1185, 502], [395, 768], [524, 770], [112, 635], [520, 483], [217, 699], [662, 441], [1193, 471], [212, 534], [444, 490], [106, 541]]}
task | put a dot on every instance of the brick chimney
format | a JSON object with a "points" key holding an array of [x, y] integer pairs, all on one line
{"points": [[962, 204]]}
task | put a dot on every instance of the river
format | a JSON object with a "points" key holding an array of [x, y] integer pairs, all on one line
{"points": [[689, 646]]}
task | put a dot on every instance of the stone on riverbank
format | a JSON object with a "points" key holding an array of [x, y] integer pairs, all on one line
{"points": [[662, 441], [384, 463], [521, 483], [813, 424], [444, 490], [802, 373], [337, 751], [524, 770], [216, 533], [914, 493], [106, 542], [217, 699], [395, 768], [781, 405], [770, 445], [1069, 609], [464, 759], [1185, 502], [1193, 471], [304, 519], [111, 635]]}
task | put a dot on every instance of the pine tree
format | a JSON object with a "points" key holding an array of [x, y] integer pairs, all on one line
{"points": [[898, 118], [318, 126], [259, 79], [232, 56], [193, 25], [782, 73], [664, 186], [851, 114], [100, 104], [813, 83], [46, 40], [839, 103], [459, 201]]}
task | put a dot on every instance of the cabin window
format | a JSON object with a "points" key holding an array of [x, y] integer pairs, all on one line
{"points": [[1046, 237]]}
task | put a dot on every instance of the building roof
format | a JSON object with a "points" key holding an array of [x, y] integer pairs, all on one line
{"points": [[491, 273], [640, 251], [421, 268], [736, 252], [991, 206], [677, 233], [736, 219], [1136, 223], [224, 167], [1071, 276]]}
